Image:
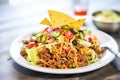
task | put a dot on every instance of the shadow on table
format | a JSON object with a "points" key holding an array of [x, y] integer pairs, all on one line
{"points": [[29, 72]]}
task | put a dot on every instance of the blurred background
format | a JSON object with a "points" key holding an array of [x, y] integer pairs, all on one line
{"points": [[20, 16]]}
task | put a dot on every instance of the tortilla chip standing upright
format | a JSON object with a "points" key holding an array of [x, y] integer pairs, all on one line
{"points": [[59, 18], [77, 24], [45, 21]]}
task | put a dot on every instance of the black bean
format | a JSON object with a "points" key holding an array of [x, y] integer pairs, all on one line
{"points": [[74, 42]]}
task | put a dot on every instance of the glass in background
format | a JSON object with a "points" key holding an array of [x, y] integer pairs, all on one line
{"points": [[80, 7]]}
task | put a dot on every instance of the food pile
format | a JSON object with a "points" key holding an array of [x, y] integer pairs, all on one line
{"points": [[62, 45]]}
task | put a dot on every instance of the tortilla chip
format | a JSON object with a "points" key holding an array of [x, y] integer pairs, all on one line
{"points": [[59, 19], [45, 21], [77, 24]]}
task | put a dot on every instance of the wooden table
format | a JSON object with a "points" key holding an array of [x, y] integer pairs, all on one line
{"points": [[11, 28]]}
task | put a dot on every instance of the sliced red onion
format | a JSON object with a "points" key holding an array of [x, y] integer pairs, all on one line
{"points": [[49, 29], [56, 28]]}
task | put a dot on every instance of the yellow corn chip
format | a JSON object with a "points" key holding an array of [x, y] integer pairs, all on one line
{"points": [[77, 24], [46, 22], [59, 19]]}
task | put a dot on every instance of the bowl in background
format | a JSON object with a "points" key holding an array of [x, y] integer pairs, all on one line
{"points": [[110, 26]]}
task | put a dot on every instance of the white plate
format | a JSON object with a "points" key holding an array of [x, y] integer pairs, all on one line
{"points": [[106, 58]]}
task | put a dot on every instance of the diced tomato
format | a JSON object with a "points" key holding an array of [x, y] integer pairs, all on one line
{"points": [[46, 32], [69, 34], [51, 40], [32, 44], [62, 31], [66, 48], [90, 39]]}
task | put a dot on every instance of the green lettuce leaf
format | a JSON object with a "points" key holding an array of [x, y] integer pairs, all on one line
{"points": [[32, 55]]}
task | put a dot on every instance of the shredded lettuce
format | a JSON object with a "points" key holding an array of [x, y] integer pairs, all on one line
{"points": [[60, 39], [32, 55], [49, 46], [72, 46], [93, 58], [85, 43]]}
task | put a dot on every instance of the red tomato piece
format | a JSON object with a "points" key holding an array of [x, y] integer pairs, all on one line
{"points": [[51, 40], [90, 39], [32, 44], [46, 32], [62, 31], [66, 48], [69, 34]]}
